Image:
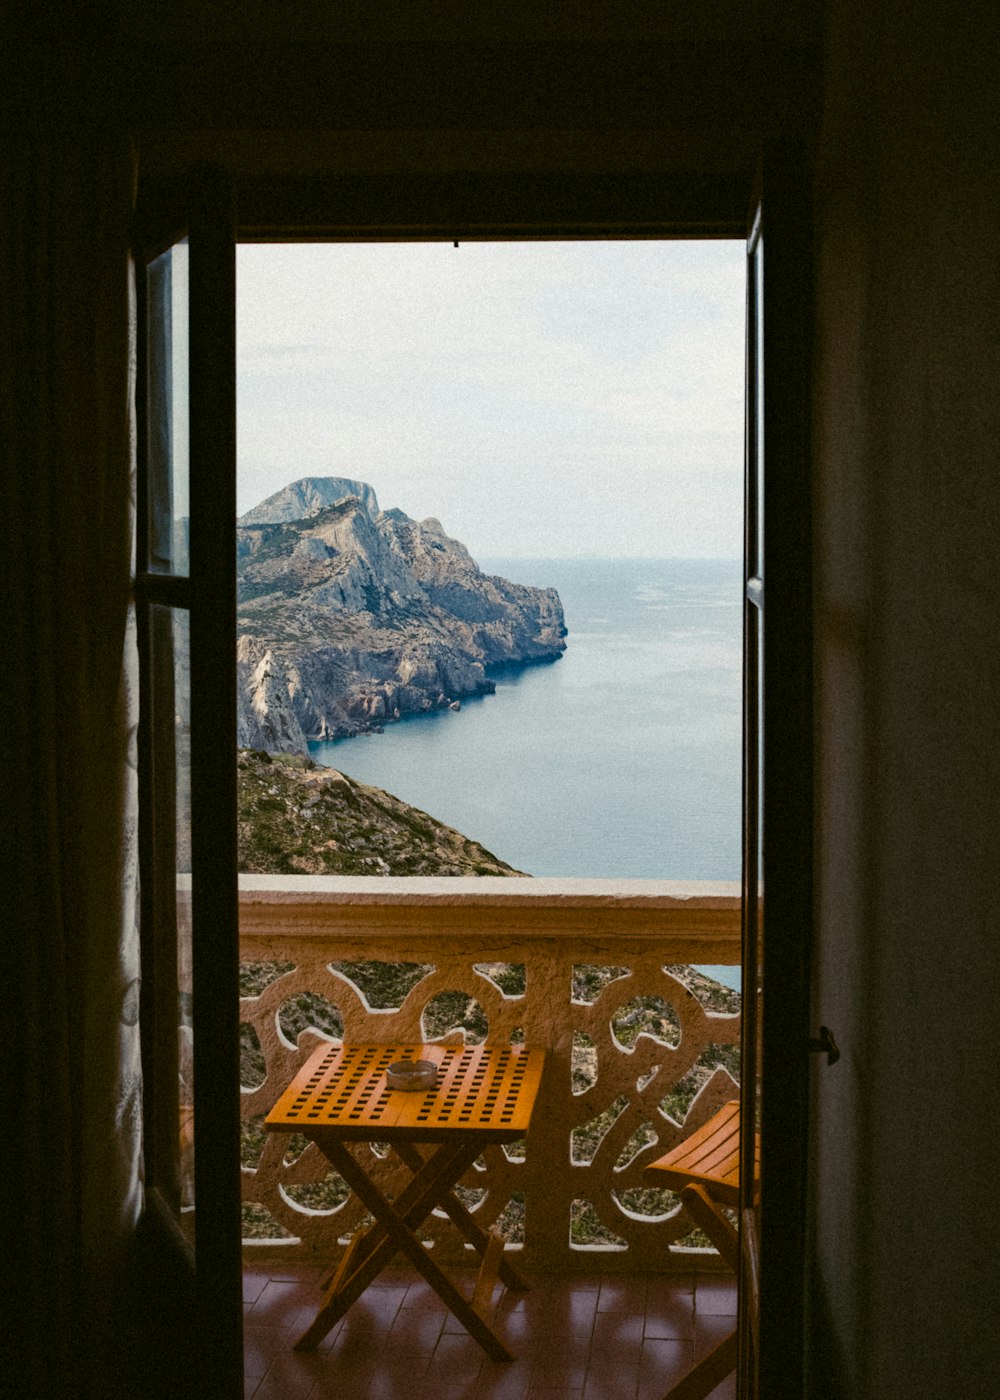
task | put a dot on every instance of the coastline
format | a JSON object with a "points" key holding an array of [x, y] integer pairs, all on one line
{"points": [[623, 762]]}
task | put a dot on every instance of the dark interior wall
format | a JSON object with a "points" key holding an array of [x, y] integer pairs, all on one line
{"points": [[905, 1215]]}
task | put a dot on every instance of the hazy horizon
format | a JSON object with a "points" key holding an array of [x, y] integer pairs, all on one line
{"points": [[542, 400]]}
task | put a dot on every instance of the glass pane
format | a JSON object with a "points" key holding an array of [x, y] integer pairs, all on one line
{"points": [[182, 767], [170, 716], [753, 890], [758, 891], [758, 989], [758, 389], [167, 400]]}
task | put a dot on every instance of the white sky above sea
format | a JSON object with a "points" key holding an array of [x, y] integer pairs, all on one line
{"points": [[540, 399]]}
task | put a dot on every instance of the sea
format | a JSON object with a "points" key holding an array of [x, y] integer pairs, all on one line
{"points": [[619, 760]]}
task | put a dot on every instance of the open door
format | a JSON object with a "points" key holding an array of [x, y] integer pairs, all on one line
{"points": [[777, 787], [186, 600]]}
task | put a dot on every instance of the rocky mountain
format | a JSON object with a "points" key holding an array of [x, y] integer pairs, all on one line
{"points": [[306, 497], [350, 617], [299, 819]]}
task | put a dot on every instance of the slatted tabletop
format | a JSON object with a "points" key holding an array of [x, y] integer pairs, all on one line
{"points": [[484, 1090]]}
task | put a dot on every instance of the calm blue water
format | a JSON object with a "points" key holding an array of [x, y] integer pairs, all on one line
{"points": [[621, 759]]}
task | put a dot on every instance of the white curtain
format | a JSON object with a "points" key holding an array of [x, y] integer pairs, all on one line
{"points": [[69, 998]]}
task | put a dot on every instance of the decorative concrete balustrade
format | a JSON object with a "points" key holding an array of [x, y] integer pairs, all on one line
{"points": [[578, 967]]}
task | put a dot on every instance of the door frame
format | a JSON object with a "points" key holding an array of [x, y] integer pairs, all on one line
{"points": [[568, 207], [199, 1287], [778, 779]]}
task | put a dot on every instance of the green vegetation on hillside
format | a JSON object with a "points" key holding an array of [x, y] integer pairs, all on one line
{"points": [[298, 819]]}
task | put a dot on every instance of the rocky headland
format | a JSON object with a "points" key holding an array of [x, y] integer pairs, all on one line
{"points": [[350, 617]]}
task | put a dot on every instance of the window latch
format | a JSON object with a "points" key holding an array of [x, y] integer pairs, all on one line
{"points": [[824, 1044]]}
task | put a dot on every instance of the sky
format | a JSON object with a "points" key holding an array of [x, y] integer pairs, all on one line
{"points": [[542, 400]]}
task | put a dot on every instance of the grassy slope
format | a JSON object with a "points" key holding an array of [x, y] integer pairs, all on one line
{"points": [[297, 819]]}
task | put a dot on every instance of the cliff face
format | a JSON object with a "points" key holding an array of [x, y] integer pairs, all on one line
{"points": [[350, 617], [308, 495]]}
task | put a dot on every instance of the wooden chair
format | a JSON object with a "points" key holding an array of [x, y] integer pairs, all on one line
{"points": [[705, 1169]]}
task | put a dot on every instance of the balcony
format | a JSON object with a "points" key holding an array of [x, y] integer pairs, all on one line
{"points": [[595, 972]]}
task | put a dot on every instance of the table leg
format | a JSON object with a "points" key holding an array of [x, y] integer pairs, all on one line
{"points": [[461, 1217], [399, 1228], [410, 1199], [482, 1294], [349, 1261], [371, 1253]]}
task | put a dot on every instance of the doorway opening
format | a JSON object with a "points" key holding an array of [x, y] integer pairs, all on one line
{"points": [[490, 621], [639, 630]]}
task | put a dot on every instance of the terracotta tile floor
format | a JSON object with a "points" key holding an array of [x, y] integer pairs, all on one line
{"points": [[573, 1339]]}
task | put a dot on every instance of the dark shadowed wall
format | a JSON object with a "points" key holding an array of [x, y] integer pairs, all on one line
{"points": [[904, 1278]]}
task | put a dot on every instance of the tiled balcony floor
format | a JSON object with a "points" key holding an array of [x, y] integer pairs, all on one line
{"points": [[573, 1338]]}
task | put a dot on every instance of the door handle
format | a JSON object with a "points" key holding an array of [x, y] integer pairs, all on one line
{"points": [[824, 1044]]}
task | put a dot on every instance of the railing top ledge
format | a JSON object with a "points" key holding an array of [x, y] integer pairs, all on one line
{"points": [[487, 891], [696, 922]]}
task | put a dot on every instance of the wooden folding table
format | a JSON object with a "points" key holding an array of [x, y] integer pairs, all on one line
{"points": [[483, 1094]]}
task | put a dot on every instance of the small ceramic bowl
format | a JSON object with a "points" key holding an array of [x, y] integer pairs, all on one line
{"points": [[411, 1074]]}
